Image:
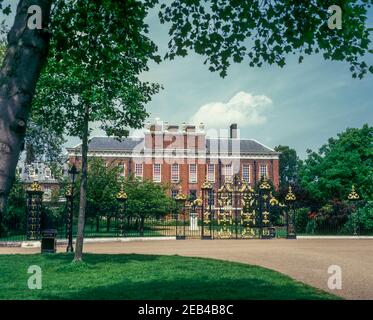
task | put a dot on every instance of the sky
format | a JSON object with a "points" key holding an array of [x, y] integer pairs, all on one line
{"points": [[300, 105]]}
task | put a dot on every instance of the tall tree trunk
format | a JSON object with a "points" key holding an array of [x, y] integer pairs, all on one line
{"points": [[83, 191], [24, 58]]}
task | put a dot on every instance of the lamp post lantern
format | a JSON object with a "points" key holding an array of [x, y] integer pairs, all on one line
{"points": [[70, 193]]}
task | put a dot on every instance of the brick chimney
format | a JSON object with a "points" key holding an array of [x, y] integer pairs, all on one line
{"points": [[233, 131]]}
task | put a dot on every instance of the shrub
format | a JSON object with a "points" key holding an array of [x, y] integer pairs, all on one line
{"points": [[361, 220], [301, 219]]}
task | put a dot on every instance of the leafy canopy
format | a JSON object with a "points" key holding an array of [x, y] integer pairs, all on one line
{"points": [[226, 31], [147, 198], [98, 50], [289, 162], [343, 161]]}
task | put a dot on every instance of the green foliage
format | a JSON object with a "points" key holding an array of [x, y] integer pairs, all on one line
{"points": [[102, 186], [97, 52], [43, 144], [343, 161], [361, 219], [15, 214], [302, 219], [289, 162], [267, 31], [147, 198]]}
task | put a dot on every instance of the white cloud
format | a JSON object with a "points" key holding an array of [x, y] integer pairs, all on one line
{"points": [[245, 109]]}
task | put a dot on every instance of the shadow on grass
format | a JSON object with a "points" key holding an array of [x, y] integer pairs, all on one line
{"points": [[178, 289], [140, 277]]}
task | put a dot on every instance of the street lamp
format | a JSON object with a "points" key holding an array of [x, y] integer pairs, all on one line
{"points": [[353, 197], [290, 223], [70, 192], [122, 199]]}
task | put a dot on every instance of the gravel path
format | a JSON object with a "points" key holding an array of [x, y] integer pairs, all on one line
{"points": [[304, 260]]}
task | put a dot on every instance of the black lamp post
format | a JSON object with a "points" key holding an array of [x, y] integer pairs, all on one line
{"points": [[70, 193], [290, 221], [354, 197], [122, 199]]}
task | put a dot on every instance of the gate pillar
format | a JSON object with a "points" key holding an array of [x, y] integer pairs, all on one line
{"points": [[34, 207]]}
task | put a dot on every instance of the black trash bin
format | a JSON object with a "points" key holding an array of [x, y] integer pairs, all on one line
{"points": [[49, 241]]}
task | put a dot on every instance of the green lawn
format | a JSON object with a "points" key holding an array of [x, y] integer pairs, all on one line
{"points": [[103, 276]]}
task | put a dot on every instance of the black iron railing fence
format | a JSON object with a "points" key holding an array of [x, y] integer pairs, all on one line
{"points": [[187, 224]]}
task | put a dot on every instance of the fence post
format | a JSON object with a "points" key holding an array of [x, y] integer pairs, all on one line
{"points": [[290, 221], [354, 197], [180, 199], [122, 199], [34, 207]]}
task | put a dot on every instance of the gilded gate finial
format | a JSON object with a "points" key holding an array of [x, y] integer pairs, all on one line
{"points": [[207, 185], [273, 201], [35, 186], [290, 195], [180, 196], [265, 185], [353, 195], [121, 195], [69, 192]]}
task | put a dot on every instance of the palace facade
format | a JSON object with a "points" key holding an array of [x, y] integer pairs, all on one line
{"points": [[185, 156]]}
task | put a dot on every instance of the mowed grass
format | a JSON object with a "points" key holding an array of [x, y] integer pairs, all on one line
{"points": [[131, 276]]}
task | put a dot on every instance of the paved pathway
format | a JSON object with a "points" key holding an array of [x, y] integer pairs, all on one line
{"points": [[304, 260]]}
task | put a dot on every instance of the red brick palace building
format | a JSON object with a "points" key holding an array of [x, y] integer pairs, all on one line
{"points": [[185, 156]]}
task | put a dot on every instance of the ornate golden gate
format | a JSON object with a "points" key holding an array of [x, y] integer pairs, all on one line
{"points": [[236, 211]]}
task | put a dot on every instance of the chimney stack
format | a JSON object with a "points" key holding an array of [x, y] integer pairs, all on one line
{"points": [[233, 131]]}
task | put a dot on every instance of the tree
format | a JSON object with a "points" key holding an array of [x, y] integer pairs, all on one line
{"points": [[343, 161], [224, 32], [15, 213], [26, 53], [43, 144], [288, 169], [267, 31], [97, 78], [102, 186], [146, 199]]}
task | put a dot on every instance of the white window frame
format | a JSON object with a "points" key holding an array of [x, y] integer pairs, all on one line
{"points": [[157, 178], [211, 175], [263, 165], [175, 176], [195, 180], [248, 167], [139, 165], [228, 175], [49, 171], [122, 167]]}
